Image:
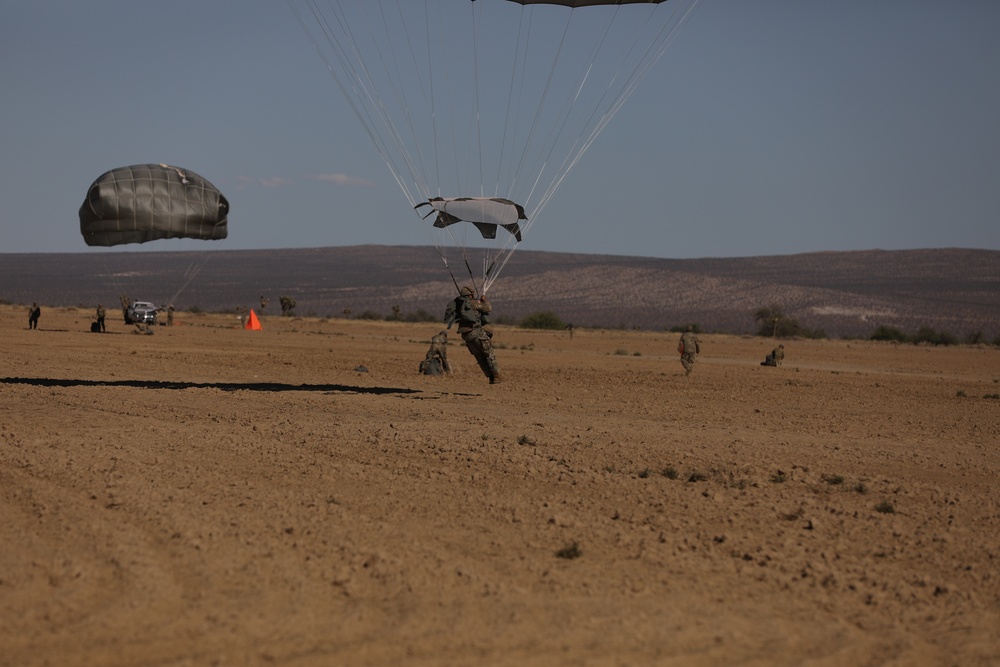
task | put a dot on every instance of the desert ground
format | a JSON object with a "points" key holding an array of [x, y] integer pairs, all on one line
{"points": [[301, 496]]}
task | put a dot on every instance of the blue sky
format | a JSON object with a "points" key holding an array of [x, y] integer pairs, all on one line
{"points": [[769, 127]]}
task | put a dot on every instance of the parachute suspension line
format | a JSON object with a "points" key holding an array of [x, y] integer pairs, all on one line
{"points": [[452, 104], [193, 269], [475, 108], [680, 14], [559, 129], [432, 99], [511, 106], [361, 85], [542, 101], [391, 66], [507, 250], [665, 38], [418, 176]]}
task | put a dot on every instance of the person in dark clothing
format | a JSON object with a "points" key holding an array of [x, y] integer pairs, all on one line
{"points": [[33, 314], [473, 315]]}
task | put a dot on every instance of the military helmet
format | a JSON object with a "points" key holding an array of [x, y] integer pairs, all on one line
{"points": [[467, 291]]}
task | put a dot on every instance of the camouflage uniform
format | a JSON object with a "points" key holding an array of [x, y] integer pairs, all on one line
{"points": [[775, 358], [689, 347], [437, 356], [472, 315]]}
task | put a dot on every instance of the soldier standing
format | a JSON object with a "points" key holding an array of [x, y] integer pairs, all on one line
{"points": [[100, 317], [33, 314], [472, 315], [689, 347]]}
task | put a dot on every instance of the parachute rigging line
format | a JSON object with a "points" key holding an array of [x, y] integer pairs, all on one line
{"points": [[454, 91]]}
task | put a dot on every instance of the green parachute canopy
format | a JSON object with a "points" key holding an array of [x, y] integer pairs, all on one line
{"points": [[147, 202]]}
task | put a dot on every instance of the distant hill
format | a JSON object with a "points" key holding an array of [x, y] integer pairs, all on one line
{"points": [[842, 293]]}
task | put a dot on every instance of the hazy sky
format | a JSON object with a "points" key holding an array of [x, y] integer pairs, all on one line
{"points": [[770, 127]]}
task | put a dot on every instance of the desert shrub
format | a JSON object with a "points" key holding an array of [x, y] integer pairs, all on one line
{"points": [[774, 323], [287, 306], [975, 337], [884, 332], [369, 315], [681, 328], [421, 315], [885, 507], [570, 551], [543, 320], [932, 337]]}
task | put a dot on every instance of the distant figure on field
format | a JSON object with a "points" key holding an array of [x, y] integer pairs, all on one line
{"points": [[101, 313], [473, 316], [170, 315], [689, 347], [775, 358], [125, 304], [33, 314], [436, 360]]}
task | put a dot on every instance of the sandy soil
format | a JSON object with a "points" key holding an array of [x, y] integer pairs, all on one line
{"points": [[213, 496]]}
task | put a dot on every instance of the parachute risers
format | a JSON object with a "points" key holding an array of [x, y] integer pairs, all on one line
{"points": [[486, 213], [253, 324], [147, 202]]}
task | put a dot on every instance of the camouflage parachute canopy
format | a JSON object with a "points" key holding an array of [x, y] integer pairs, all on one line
{"points": [[147, 202]]}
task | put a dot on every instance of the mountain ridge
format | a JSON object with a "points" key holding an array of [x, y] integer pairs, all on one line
{"points": [[846, 293]]}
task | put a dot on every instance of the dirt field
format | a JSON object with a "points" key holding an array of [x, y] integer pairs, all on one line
{"points": [[213, 496]]}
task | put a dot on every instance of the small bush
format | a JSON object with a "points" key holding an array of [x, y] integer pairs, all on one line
{"points": [[670, 472], [833, 479], [543, 320], [779, 477], [570, 551], [885, 507], [932, 337], [888, 333]]}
